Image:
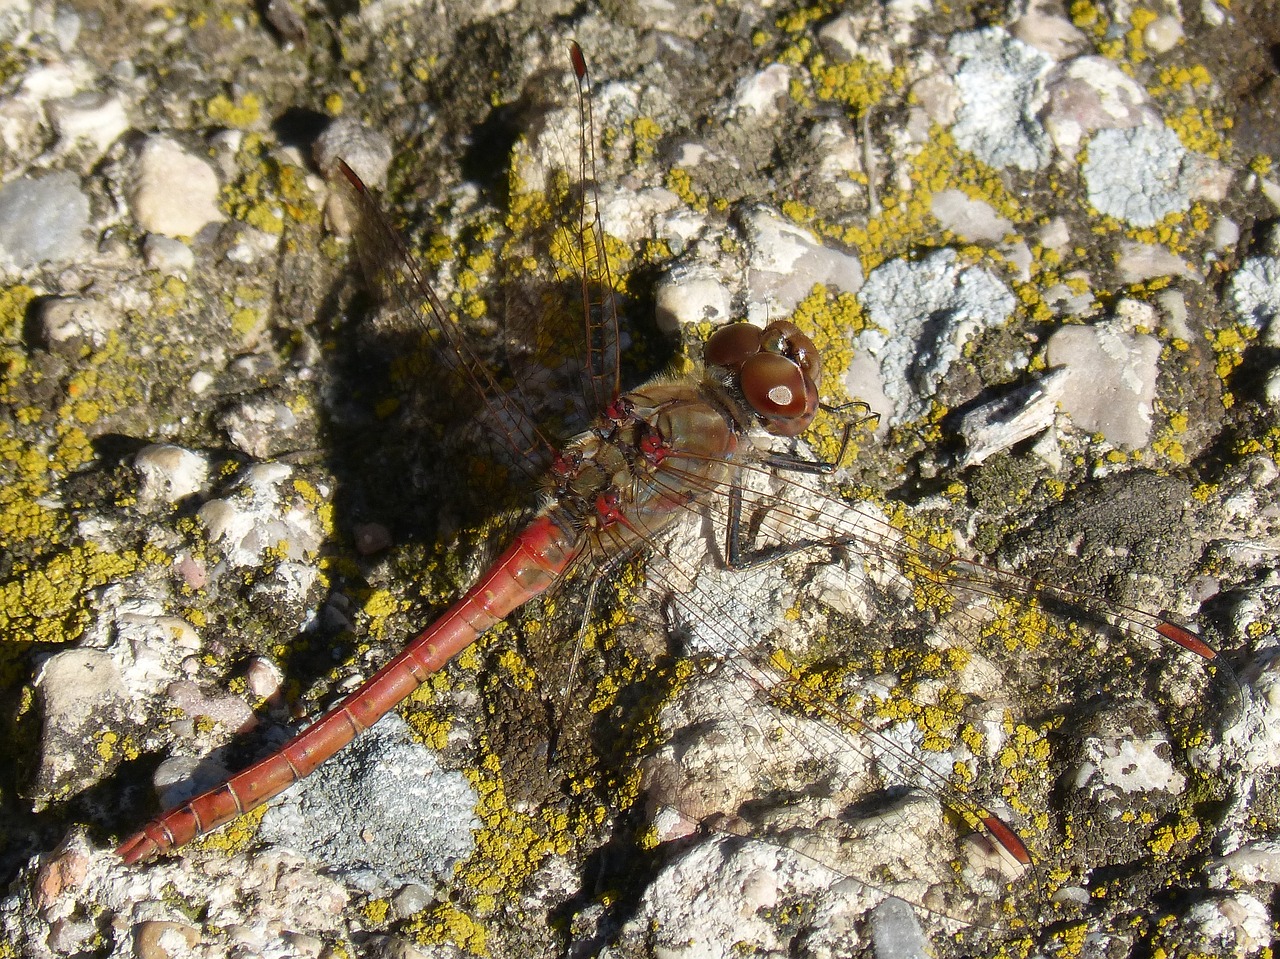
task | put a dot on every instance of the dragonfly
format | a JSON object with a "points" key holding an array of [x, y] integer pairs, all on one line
{"points": [[661, 459]]}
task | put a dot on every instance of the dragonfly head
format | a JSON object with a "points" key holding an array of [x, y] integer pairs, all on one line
{"points": [[777, 369]]}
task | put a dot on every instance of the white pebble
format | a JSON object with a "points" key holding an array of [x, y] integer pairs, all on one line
{"points": [[174, 193], [366, 151], [167, 255], [1163, 34], [43, 219], [1111, 380], [692, 294], [68, 318], [89, 117], [169, 473]]}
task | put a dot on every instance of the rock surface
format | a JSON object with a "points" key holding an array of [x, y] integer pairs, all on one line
{"points": [[1035, 245]]}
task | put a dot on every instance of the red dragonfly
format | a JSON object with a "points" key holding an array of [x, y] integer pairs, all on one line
{"points": [[656, 456]]}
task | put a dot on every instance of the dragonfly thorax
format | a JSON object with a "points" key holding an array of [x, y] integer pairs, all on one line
{"points": [[654, 451]]}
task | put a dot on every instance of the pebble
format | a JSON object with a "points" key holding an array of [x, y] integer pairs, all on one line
{"points": [[383, 813], [71, 936], [1091, 94], [1042, 26], [70, 321], [259, 515], [410, 899], [1172, 306], [43, 219], [174, 193], [758, 96], [169, 474], [1054, 235], [999, 79], [263, 677], [968, 218], [1226, 233], [747, 600], [179, 778], [264, 513], [896, 933], [250, 246], [634, 216], [52, 80], [1111, 380], [167, 255], [367, 151], [200, 381], [1271, 190], [715, 757], [1163, 33], [839, 37], [1257, 861], [224, 145], [1214, 12], [227, 709], [785, 263], [149, 642], [66, 28], [260, 426], [1018, 255], [939, 103], [718, 893], [61, 871], [1147, 261], [159, 939], [689, 294], [858, 34], [371, 538], [1234, 926], [841, 156], [89, 117], [81, 692]]}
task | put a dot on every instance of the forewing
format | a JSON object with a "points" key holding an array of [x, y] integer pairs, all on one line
{"points": [[395, 274]]}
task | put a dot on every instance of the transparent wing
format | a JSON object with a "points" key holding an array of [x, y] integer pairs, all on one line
{"points": [[891, 713], [395, 274]]}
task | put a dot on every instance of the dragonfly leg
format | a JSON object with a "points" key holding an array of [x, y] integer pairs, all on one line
{"points": [[734, 553], [863, 417]]}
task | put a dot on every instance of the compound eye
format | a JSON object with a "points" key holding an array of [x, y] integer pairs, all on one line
{"points": [[780, 391], [778, 370], [785, 339], [731, 345]]}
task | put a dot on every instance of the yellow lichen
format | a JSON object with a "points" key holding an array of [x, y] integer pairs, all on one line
{"points": [[858, 83], [377, 910], [243, 113], [235, 836], [680, 183], [447, 923], [645, 133]]}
